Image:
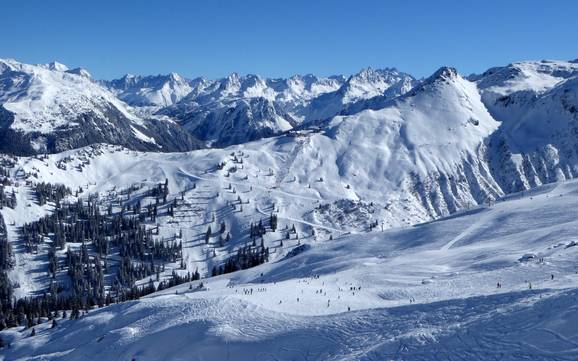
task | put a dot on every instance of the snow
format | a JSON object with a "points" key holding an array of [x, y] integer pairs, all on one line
{"points": [[390, 163], [424, 287], [526, 76], [45, 98], [157, 91], [216, 111], [450, 268]]}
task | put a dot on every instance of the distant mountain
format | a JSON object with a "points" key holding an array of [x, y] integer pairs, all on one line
{"points": [[369, 85], [234, 121], [159, 90], [222, 111], [238, 108], [48, 108]]}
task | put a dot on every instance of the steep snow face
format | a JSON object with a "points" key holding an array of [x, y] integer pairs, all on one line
{"points": [[236, 121], [537, 104], [432, 128], [160, 90], [534, 76], [47, 97], [518, 85]]}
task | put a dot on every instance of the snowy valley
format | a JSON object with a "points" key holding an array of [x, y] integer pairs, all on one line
{"points": [[365, 217]]}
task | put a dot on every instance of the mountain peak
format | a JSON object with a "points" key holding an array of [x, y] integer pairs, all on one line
{"points": [[57, 66], [175, 77], [445, 72]]}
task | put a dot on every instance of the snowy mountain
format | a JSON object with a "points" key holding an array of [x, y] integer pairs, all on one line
{"points": [[220, 112], [159, 91], [536, 103], [312, 233], [236, 121], [366, 86], [238, 108], [48, 108]]}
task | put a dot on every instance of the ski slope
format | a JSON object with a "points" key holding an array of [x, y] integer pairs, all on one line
{"points": [[421, 293]]}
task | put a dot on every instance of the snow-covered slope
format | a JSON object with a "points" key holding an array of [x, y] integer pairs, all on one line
{"points": [[47, 97], [425, 148], [537, 104], [427, 292], [428, 153], [48, 108], [425, 154]]}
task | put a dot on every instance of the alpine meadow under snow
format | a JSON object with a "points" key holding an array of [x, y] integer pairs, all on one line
{"points": [[367, 217]]}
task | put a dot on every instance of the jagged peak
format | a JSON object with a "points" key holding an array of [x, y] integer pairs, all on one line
{"points": [[175, 77], [233, 77], [445, 72], [7, 64], [369, 73]]}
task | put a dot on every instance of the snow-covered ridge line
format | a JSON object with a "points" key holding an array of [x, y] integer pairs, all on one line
{"points": [[48, 108]]}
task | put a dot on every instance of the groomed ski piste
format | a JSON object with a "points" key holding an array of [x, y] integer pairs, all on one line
{"points": [[421, 293]]}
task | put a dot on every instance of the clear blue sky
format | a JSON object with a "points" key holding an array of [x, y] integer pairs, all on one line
{"points": [[283, 37]]}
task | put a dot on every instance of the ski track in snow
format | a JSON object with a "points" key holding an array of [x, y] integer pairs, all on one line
{"points": [[479, 223]]}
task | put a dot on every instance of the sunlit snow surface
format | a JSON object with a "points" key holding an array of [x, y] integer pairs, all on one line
{"points": [[44, 98], [423, 292], [304, 308]]}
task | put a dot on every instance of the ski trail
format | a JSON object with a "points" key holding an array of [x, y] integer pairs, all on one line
{"points": [[483, 220], [284, 171]]}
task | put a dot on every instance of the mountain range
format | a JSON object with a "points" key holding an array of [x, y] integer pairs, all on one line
{"points": [[361, 192], [461, 139]]}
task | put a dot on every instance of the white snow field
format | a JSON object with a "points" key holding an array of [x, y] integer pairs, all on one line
{"points": [[427, 292]]}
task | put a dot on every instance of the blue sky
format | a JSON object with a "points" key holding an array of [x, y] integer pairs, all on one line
{"points": [[280, 38]]}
